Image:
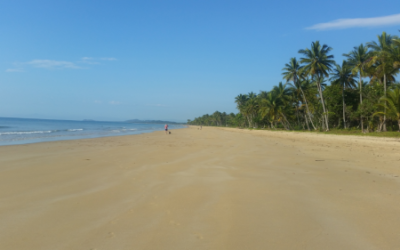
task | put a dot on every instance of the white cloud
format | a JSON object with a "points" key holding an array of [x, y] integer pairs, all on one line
{"points": [[89, 60], [52, 64], [14, 70], [357, 22]]}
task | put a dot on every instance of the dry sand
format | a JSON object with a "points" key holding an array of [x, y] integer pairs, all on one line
{"points": [[202, 189]]}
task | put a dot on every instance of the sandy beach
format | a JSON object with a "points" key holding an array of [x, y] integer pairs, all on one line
{"points": [[213, 188]]}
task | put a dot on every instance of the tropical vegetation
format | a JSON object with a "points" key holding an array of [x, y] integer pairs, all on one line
{"points": [[318, 94]]}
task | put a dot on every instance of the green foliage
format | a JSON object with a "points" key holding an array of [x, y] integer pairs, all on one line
{"points": [[320, 94]]}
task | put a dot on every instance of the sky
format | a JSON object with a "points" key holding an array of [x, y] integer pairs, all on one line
{"points": [[167, 60]]}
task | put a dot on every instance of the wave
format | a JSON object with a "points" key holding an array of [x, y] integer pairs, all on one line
{"points": [[26, 133], [39, 132], [127, 129]]}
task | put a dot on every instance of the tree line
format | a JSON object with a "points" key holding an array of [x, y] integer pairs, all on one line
{"points": [[318, 94]]}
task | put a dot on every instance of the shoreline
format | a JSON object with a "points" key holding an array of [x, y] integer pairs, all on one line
{"points": [[96, 137], [216, 188]]}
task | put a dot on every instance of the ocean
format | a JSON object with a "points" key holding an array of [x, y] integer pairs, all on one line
{"points": [[21, 131]]}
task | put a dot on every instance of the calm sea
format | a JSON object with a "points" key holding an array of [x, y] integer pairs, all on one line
{"points": [[21, 131]]}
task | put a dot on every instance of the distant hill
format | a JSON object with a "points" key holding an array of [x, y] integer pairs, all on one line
{"points": [[152, 121]]}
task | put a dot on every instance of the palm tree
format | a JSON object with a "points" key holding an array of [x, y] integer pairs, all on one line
{"points": [[217, 118], [391, 104], [207, 118], [248, 106], [296, 98], [318, 63], [395, 53], [284, 96], [381, 54], [270, 107], [358, 60], [251, 108], [343, 76], [282, 91], [267, 107], [291, 71], [241, 101], [308, 89]]}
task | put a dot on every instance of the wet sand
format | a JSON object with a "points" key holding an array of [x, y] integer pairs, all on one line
{"points": [[202, 189]]}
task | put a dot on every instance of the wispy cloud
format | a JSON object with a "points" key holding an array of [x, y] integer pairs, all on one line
{"points": [[14, 70], [89, 60], [55, 64], [357, 22], [52, 64]]}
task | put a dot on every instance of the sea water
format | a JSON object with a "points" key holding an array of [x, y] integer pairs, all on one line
{"points": [[21, 131]]}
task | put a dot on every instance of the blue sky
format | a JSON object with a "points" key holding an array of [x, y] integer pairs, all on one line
{"points": [[170, 60]]}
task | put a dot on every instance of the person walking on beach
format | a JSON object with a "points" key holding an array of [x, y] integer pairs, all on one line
{"points": [[166, 129]]}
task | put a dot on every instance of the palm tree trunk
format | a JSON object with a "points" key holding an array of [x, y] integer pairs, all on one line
{"points": [[344, 107], [305, 101], [384, 116], [288, 123], [361, 118], [323, 105], [305, 118], [248, 120], [398, 122], [272, 125], [308, 111]]}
